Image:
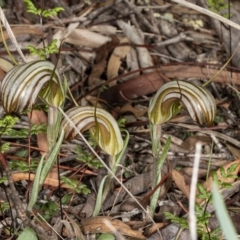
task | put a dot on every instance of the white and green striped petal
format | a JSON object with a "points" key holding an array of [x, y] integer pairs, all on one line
{"points": [[101, 124], [22, 84], [174, 95]]}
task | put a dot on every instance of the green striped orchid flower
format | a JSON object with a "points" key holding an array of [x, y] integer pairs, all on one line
{"points": [[24, 83], [175, 95], [101, 124], [169, 100]]}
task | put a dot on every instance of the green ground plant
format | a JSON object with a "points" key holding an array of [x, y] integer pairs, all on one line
{"points": [[203, 216], [87, 158], [53, 93], [51, 48], [219, 6]]}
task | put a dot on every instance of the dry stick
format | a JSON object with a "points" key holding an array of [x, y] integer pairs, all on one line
{"points": [[140, 16], [209, 13], [105, 165]]}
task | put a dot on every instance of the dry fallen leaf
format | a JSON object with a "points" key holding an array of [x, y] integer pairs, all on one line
{"points": [[138, 112], [86, 38], [74, 228], [107, 225], [180, 182], [114, 62], [156, 226], [151, 82], [26, 176], [190, 142]]}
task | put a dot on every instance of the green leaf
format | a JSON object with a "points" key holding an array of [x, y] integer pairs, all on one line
{"points": [[36, 186], [159, 164], [223, 216], [201, 189], [232, 176], [23, 153], [215, 177], [3, 179], [121, 154], [5, 206], [48, 209], [226, 185], [30, 7], [6, 124], [223, 173], [4, 147], [38, 128], [181, 221], [232, 168], [98, 204], [51, 159], [106, 236], [67, 198], [88, 158], [52, 12], [74, 185], [28, 233]]}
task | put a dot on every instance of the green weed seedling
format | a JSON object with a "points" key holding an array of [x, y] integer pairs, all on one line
{"points": [[7, 124], [87, 158], [47, 209], [43, 53], [23, 165], [203, 217], [219, 7], [74, 185]]}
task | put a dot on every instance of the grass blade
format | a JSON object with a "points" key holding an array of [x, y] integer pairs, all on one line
{"points": [[51, 159], [36, 185], [223, 216], [99, 197]]}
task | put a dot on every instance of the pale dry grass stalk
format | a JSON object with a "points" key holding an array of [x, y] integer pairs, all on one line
{"points": [[192, 197], [11, 34]]}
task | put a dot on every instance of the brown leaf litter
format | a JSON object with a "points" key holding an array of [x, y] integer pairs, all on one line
{"points": [[116, 55]]}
